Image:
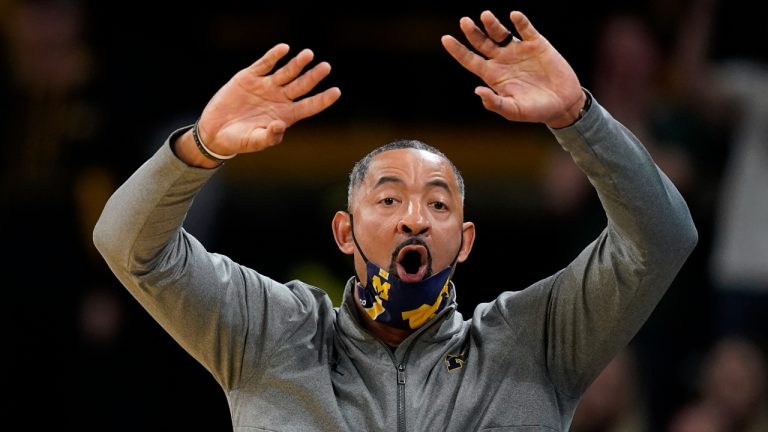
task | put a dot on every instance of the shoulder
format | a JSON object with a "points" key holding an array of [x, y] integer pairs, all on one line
{"points": [[309, 295], [517, 309]]}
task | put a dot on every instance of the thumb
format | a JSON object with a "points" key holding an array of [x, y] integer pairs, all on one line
{"points": [[260, 138], [491, 101], [276, 131]]}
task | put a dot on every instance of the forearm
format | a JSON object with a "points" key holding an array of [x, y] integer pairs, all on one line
{"points": [[640, 202], [147, 210]]}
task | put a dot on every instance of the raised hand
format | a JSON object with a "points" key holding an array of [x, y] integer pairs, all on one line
{"points": [[252, 111], [527, 79]]}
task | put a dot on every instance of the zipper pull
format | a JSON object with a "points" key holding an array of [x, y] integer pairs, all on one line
{"points": [[401, 373]]}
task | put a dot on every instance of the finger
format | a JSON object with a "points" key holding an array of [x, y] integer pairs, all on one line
{"points": [[469, 59], [277, 128], [267, 62], [307, 81], [293, 68], [477, 38], [494, 28], [275, 132], [261, 137], [493, 102], [316, 103], [523, 25]]}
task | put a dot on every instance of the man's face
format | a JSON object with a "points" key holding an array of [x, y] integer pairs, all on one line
{"points": [[408, 214]]}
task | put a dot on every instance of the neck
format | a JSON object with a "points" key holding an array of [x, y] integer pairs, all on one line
{"points": [[391, 336]]}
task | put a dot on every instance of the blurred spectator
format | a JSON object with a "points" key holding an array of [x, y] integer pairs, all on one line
{"points": [[731, 393], [54, 180], [699, 417], [613, 402], [735, 381], [49, 106], [733, 90]]}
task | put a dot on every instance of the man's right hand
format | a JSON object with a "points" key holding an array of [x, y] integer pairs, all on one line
{"points": [[252, 111]]}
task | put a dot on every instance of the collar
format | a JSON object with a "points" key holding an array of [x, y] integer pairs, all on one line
{"points": [[443, 326]]}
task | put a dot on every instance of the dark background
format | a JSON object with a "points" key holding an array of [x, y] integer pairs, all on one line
{"points": [[83, 353]]}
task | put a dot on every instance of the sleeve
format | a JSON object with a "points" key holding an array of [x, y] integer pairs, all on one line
{"points": [[225, 315], [590, 310]]}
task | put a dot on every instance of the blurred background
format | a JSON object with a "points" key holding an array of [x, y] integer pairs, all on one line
{"points": [[89, 90]]}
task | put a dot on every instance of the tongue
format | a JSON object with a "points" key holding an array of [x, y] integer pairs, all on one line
{"points": [[411, 277]]}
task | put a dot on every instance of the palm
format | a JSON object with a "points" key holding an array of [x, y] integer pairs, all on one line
{"points": [[528, 80], [251, 111], [528, 76]]}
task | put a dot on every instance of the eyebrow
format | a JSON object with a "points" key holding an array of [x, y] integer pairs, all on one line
{"points": [[393, 179]]}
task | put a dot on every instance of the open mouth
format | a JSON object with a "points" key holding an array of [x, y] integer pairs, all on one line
{"points": [[411, 263]]}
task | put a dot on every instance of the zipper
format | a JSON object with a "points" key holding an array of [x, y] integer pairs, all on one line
{"points": [[401, 426], [401, 397]]}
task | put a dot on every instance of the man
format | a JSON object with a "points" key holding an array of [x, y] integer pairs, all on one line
{"points": [[397, 355]]}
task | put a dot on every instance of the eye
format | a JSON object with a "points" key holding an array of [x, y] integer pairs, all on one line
{"points": [[439, 205], [388, 201]]}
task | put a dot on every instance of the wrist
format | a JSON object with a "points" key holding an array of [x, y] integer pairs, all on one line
{"points": [[587, 105], [186, 150], [574, 113], [204, 150]]}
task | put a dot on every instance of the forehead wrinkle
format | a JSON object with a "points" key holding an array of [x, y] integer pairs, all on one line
{"points": [[418, 163], [441, 182], [438, 183], [388, 179]]}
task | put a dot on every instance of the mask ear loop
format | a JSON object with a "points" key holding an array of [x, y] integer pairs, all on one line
{"points": [[352, 226], [357, 245], [456, 259]]}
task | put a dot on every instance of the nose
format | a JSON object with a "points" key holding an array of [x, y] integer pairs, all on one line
{"points": [[413, 221]]}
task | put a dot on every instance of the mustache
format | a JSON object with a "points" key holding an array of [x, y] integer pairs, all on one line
{"points": [[409, 242]]}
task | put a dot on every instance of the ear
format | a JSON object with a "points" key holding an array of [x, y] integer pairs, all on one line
{"points": [[342, 232], [468, 232]]}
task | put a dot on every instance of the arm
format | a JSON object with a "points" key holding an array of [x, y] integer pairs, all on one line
{"points": [[602, 298], [204, 300], [598, 302]]}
